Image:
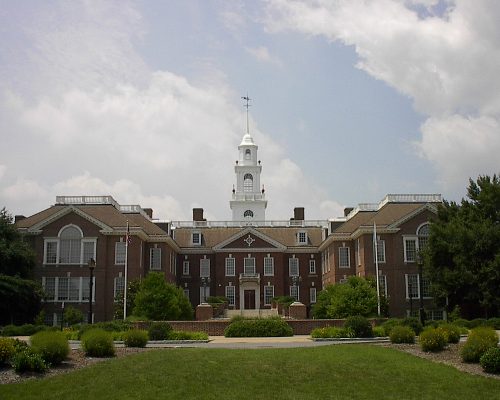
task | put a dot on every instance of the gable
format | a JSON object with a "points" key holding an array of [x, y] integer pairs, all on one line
{"points": [[247, 239]]}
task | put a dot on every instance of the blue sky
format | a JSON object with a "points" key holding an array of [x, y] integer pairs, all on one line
{"points": [[142, 100]]}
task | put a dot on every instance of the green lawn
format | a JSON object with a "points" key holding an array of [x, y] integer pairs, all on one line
{"points": [[330, 372]]}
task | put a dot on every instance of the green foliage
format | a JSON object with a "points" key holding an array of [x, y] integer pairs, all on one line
{"points": [[72, 316], [478, 342], [109, 326], [20, 299], [17, 258], [286, 301], [379, 331], [413, 323], [135, 338], [455, 313], [477, 322], [98, 343], [494, 323], [332, 332], [490, 360], [7, 350], [432, 339], [132, 289], [358, 296], [216, 299], [390, 324], [451, 332], [462, 257], [159, 330], [22, 330], [262, 327], [186, 335], [28, 360], [360, 326], [402, 334], [52, 346], [462, 322], [161, 301]]}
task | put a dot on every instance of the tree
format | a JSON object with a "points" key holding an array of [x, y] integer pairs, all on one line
{"points": [[462, 258], [72, 316], [20, 300], [132, 289], [161, 301], [358, 296], [17, 258]]}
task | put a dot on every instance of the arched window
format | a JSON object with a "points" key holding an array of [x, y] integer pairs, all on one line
{"points": [[248, 214], [70, 245], [423, 236], [248, 154], [248, 183]]}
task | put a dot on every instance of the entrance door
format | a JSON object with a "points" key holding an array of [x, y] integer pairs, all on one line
{"points": [[249, 298]]}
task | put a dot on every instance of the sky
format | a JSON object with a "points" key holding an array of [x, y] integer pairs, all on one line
{"points": [[141, 100]]}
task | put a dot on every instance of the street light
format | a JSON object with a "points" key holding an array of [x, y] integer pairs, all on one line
{"points": [[420, 263], [91, 283], [205, 281]]}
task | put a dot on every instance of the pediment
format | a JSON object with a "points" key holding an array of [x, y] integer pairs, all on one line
{"points": [[249, 239], [65, 211]]}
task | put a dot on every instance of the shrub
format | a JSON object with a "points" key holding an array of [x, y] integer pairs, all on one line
{"points": [[135, 338], [390, 324], [402, 334], [494, 323], [332, 332], [462, 322], [28, 360], [414, 324], [477, 322], [72, 315], [159, 330], [22, 330], [185, 335], [451, 332], [98, 343], [432, 339], [52, 346], [360, 326], [379, 331], [265, 327], [7, 350], [110, 326], [490, 360], [479, 341], [19, 345]]}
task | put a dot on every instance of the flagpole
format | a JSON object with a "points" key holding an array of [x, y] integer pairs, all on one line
{"points": [[125, 277], [376, 265]]}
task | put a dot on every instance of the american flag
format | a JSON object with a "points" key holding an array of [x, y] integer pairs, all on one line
{"points": [[128, 239]]}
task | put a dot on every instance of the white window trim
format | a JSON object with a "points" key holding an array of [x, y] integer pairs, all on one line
{"points": [[271, 266], [232, 297], [121, 243], [57, 241], [382, 243], [185, 267], [80, 288], [302, 242], [267, 287], [312, 295], [205, 261], [151, 251], [418, 288], [407, 239], [312, 267], [198, 243], [253, 267], [292, 288], [290, 272], [233, 266], [385, 284], [348, 257]]}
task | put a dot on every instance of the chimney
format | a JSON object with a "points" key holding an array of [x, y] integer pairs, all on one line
{"points": [[18, 218], [149, 212], [298, 213], [347, 210], [198, 214]]}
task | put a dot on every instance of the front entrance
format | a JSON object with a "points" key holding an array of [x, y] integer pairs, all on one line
{"points": [[249, 299]]}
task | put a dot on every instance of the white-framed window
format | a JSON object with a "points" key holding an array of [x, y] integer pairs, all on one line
{"points": [[67, 289], [293, 266], [380, 251], [312, 267], [416, 243], [70, 247], [422, 236], [230, 266], [50, 251], [410, 249], [63, 289], [294, 292], [269, 266], [231, 295], [435, 315], [185, 267], [204, 267], [155, 258], [119, 286], [413, 287], [86, 288], [49, 286], [382, 284], [249, 265], [248, 183], [344, 259], [358, 252], [268, 295], [120, 251], [312, 295], [302, 237], [196, 238]]}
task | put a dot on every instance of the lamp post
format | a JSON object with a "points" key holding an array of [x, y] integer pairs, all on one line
{"points": [[62, 315], [91, 284], [205, 280], [420, 292]]}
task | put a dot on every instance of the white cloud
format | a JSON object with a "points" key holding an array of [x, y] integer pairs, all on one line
{"points": [[262, 54], [3, 168], [448, 64]]}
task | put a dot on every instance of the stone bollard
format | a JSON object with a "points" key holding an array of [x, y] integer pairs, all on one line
{"points": [[204, 311], [298, 310]]}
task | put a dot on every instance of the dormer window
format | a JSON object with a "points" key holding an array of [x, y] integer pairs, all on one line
{"points": [[302, 237], [248, 154], [196, 238]]}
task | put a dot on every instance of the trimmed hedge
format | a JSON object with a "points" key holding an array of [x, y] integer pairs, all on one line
{"points": [[360, 326], [265, 327], [332, 332], [22, 330], [98, 343], [479, 341], [159, 330], [135, 338], [402, 334], [186, 335], [52, 346], [490, 361], [110, 326], [432, 339]]}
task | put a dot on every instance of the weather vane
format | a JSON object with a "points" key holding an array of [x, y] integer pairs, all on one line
{"points": [[246, 105]]}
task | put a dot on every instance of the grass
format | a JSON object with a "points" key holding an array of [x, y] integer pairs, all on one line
{"points": [[330, 372]]}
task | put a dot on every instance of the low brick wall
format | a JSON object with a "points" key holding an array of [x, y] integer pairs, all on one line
{"points": [[216, 327]]}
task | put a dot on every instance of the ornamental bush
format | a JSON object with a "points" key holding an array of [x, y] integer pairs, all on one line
{"points": [[22, 330], [98, 343], [360, 326], [28, 360], [262, 327], [52, 346], [135, 338], [109, 326], [451, 332], [490, 360], [7, 350], [432, 339], [379, 331], [186, 335], [402, 334], [494, 323], [479, 341], [390, 324], [159, 330], [332, 332], [462, 322], [413, 323]]}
